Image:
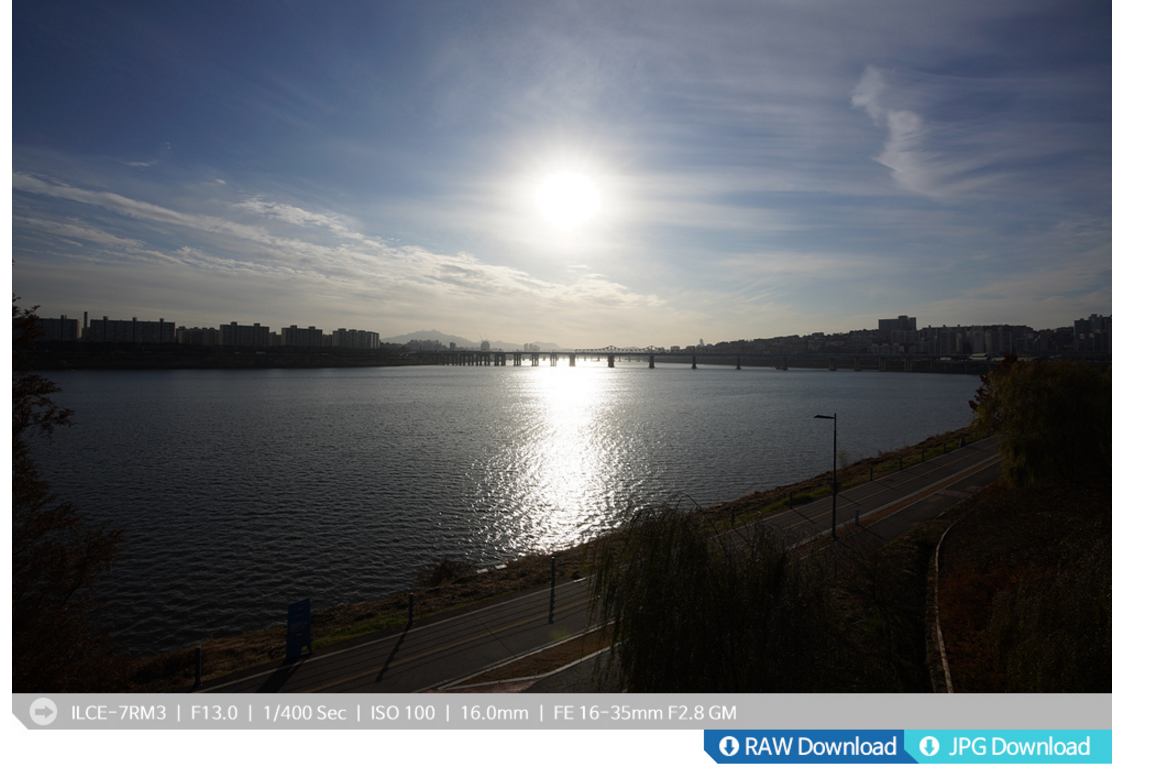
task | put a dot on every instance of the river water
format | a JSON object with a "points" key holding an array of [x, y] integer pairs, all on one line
{"points": [[241, 491]]}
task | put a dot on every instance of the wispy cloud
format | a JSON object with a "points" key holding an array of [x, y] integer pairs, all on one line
{"points": [[912, 148]]}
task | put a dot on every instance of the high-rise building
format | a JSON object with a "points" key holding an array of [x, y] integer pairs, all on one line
{"points": [[198, 336], [105, 330], [299, 336], [1093, 335], [343, 338], [900, 324], [63, 329], [234, 334]]}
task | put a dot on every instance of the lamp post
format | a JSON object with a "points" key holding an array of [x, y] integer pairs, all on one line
{"points": [[833, 418]]}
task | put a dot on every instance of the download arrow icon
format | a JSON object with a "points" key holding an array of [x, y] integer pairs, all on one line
{"points": [[729, 745], [930, 746]]}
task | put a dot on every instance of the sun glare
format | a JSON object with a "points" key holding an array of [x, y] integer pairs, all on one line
{"points": [[567, 200]]}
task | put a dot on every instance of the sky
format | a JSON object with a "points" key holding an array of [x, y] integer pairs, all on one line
{"points": [[584, 173]]}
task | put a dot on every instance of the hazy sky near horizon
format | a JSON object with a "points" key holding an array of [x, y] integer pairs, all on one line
{"points": [[739, 169]]}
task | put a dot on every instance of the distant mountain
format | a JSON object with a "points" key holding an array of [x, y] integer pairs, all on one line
{"points": [[431, 335], [499, 345]]}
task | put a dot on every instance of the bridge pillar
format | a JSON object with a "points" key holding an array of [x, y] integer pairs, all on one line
{"points": [[738, 363], [535, 359], [832, 364], [612, 360], [552, 359], [572, 360], [694, 363], [652, 361], [857, 364], [880, 365], [516, 359]]}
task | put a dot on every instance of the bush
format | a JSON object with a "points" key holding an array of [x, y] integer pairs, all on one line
{"points": [[1054, 418]]}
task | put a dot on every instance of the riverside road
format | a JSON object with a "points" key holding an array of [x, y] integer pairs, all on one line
{"points": [[440, 650]]}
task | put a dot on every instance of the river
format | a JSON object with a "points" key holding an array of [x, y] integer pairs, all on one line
{"points": [[241, 491]]}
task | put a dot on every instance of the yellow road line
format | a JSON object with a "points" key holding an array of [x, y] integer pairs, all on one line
{"points": [[901, 503]]}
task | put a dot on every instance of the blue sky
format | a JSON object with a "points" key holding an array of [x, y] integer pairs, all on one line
{"points": [[760, 168]]}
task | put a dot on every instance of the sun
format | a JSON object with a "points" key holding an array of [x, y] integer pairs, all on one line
{"points": [[567, 199]]}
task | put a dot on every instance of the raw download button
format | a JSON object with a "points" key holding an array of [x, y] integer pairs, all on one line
{"points": [[818, 746]]}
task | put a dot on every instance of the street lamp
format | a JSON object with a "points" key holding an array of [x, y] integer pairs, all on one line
{"points": [[833, 418]]}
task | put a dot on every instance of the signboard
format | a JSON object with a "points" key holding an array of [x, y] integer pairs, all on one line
{"points": [[299, 629]]}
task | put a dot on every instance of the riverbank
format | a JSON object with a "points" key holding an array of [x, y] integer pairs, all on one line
{"points": [[112, 356], [450, 585]]}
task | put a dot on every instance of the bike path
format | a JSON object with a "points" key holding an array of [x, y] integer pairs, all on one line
{"points": [[871, 501], [434, 651]]}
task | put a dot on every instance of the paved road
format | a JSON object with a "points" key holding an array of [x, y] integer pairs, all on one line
{"points": [[453, 646], [889, 506]]}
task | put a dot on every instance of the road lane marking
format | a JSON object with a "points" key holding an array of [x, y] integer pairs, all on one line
{"points": [[447, 647]]}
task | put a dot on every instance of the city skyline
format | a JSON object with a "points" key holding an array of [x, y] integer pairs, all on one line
{"points": [[534, 172], [80, 328]]}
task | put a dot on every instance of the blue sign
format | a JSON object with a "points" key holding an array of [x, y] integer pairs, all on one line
{"points": [[299, 629]]}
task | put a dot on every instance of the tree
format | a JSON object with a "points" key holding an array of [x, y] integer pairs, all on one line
{"points": [[56, 556], [694, 610], [1054, 418]]}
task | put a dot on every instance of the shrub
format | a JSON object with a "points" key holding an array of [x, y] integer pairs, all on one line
{"points": [[1054, 418]]}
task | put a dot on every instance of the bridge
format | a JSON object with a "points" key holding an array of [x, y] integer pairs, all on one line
{"points": [[908, 363]]}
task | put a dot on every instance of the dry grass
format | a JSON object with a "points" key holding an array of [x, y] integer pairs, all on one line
{"points": [[1026, 591]]}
